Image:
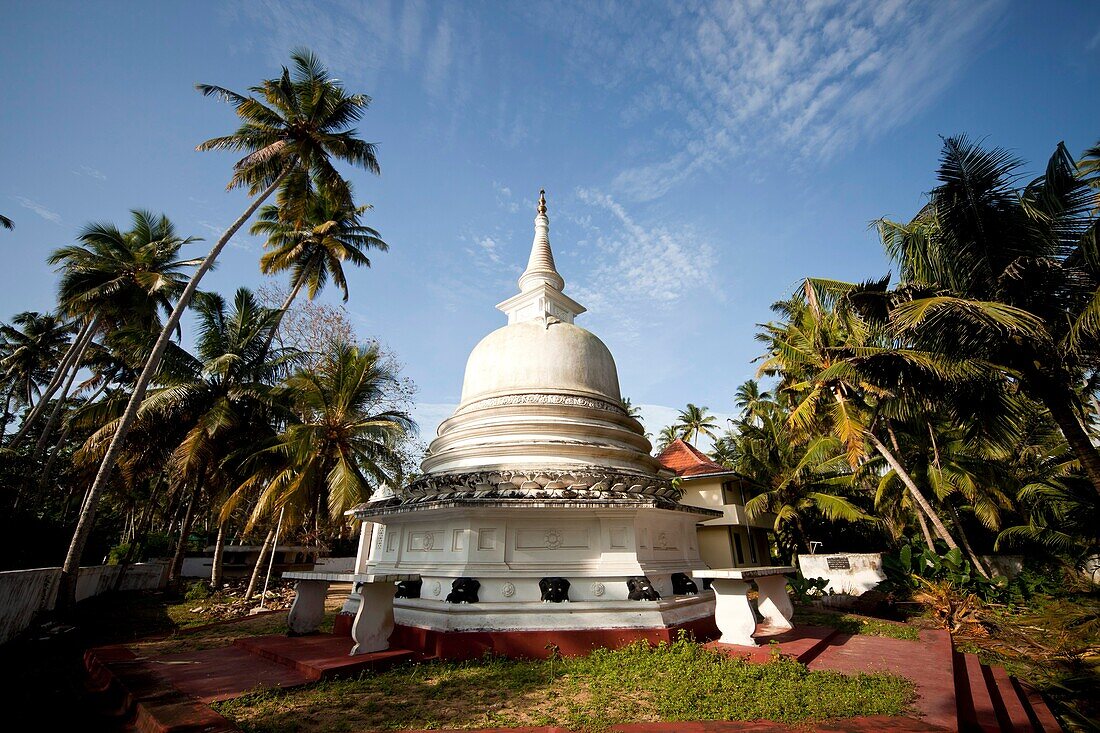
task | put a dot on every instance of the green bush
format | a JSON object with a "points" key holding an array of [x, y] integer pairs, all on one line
{"points": [[806, 590], [913, 569], [198, 591]]}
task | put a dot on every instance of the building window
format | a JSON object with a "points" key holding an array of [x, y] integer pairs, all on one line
{"points": [[737, 545], [752, 549]]}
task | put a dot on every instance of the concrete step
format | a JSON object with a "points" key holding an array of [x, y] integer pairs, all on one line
{"points": [[991, 701], [1042, 719], [1010, 707], [322, 656]]}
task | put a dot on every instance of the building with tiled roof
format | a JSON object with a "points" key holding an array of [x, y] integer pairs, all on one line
{"points": [[729, 541]]}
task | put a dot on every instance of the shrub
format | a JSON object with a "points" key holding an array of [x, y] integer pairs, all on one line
{"points": [[198, 591]]}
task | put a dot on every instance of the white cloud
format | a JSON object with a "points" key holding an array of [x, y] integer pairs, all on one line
{"points": [[638, 270], [361, 39], [90, 172], [709, 83], [39, 209]]}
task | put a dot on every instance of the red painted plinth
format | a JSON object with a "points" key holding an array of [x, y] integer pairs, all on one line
{"points": [[341, 626], [461, 645]]}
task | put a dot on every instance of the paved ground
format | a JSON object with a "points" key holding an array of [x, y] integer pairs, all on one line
{"points": [[927, 662]]}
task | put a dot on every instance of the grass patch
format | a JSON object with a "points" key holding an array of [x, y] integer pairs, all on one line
{"points": [[678, 681], [853, 624]]}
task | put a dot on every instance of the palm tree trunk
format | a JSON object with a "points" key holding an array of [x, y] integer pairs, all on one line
{"points": [[71, 359], [7, 409], [974, 559], [282, 312], [219, 552], [55, 413], [913, 490], [176, 567], [1061, 409], [61, 439], [67, 586], [255, 579], [924, 528]]}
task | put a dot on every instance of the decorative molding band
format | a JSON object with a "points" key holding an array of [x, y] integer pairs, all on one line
{"points": [[579, 483], [543, 398]]}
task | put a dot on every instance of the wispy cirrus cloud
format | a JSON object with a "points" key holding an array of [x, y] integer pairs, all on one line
{"points": [[90, 172], [364, 38], [42, 211], [706, 83], [638, 270]]}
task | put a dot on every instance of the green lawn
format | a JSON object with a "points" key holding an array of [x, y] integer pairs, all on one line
{"points": [[854, 624], [678, 681]]}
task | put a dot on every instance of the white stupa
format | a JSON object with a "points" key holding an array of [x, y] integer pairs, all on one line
{"points": [[540, 473]]}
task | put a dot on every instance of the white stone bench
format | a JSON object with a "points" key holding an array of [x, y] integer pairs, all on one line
{"points": [[373, 621], [732, 610]]}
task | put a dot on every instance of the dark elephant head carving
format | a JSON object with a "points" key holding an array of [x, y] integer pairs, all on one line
{"points": [[408, 589], [463, 590], [641, 589], [554, 590], [682, 585]]}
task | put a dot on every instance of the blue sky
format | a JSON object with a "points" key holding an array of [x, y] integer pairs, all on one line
{"points": [[699, 158]]}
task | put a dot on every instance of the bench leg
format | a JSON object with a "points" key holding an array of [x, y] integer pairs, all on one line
{"points": [[374, 620], [308, 609], [732, 612], [774, 604]]}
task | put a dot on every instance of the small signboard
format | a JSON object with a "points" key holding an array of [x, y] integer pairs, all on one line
{"points": [[838, 563]]}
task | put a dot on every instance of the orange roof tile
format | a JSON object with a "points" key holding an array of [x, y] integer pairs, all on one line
{"points": [[686, 460]]}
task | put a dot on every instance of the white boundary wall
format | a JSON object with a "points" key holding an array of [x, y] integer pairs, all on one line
{"points": [[26, 593], [863, 571]]}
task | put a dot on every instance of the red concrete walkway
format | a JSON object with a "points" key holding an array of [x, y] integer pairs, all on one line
{"points": [[955, 692], [926, 662]]}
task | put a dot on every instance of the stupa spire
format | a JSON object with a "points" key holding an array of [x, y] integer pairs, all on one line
{"points": [[540, 295], [540, 265]]}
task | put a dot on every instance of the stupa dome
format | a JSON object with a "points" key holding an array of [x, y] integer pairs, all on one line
{"points": [[533, 356], [541, 413]]}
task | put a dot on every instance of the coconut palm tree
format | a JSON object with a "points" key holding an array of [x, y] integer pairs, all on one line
{"points": [[311, 233], [6, 223], [32, 346], [749, 399], [793, 476], [214, 404], [668, 434], [695, 421], [1007, 275], [297, 122], [338, 450], [113, 280]]}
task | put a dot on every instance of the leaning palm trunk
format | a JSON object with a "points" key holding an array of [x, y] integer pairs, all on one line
{"points": [[919, 497], [67, 587], [974, 559], [219, 553], [279, 318], [924, 528], [63, 438], [1061, 409], [59, 403], [71, 359], [255, 579]]}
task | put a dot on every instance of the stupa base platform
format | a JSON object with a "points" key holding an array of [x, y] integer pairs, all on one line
{"points": [[463, 645]]}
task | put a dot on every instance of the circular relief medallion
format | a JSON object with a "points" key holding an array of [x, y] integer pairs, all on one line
{"points": [[507, 590], [436, 588], [553, 538], [598, 589], [429, 541]]}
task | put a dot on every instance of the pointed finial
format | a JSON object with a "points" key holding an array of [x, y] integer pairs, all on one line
{"points": [[542, 201]]}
